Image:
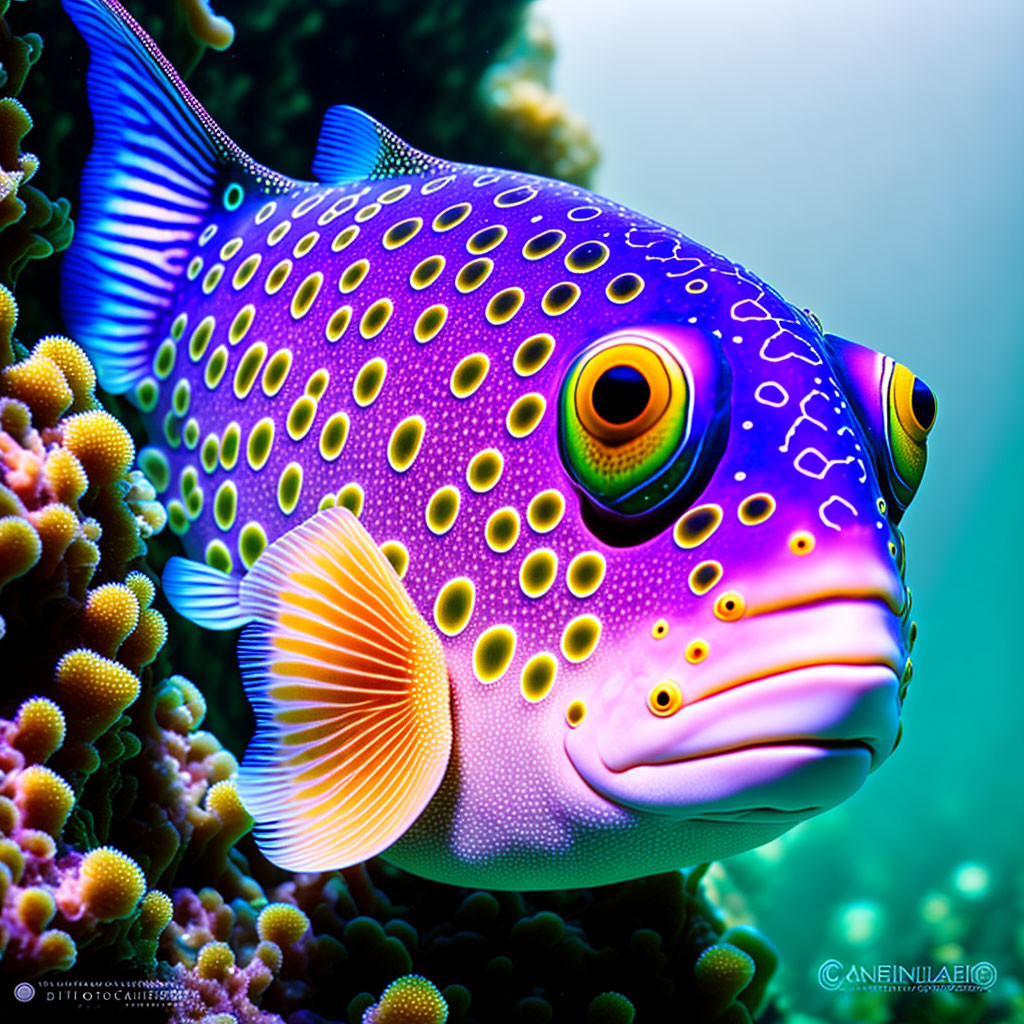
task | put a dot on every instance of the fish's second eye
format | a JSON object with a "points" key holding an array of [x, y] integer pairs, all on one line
{"points": [[639, 418], [665, 699]]}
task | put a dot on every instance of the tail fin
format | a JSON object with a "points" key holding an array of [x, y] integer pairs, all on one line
{"points": [[158, 166]]}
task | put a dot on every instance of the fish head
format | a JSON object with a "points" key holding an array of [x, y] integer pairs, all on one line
{"points": [[746, 473]]}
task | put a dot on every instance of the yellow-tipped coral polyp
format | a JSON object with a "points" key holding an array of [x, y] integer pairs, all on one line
{"points": [[38, 729], [110, 884], [57, 526], [215, 961], [38, 382], [74, 365], [64, 477], [282, 924], [111, 612], [155, 912], [409, 1000], [55, 951], [43, 798], [104, 448], [20, 548], [35, 909], [93, 690]]}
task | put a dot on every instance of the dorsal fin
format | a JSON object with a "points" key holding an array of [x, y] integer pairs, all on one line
{"points": [[159, 167], [353, 146]]}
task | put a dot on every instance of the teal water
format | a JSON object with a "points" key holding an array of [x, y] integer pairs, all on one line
{"points": [[865, 158]]}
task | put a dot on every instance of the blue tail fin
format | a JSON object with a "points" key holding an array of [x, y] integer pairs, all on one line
{"points": [[206, 596], [158, 166]]}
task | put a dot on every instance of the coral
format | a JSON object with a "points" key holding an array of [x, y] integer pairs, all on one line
{"points": [[409, 1000], [108, 886], [282, 924]]}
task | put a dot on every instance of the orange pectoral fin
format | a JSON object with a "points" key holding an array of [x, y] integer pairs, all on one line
{"points": [[350, 690]]}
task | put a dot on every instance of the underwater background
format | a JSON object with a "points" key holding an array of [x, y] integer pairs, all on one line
{"points": [[859, 156]]}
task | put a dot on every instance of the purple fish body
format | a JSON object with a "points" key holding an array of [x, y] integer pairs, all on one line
{"points": [[566, 548]]}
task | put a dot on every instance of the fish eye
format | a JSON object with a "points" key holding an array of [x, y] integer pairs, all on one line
{"points": [[665, 699], [640, 419], [910, 416]]}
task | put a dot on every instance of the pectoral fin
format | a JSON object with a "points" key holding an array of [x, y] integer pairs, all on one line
{"points": [[350, 691]]}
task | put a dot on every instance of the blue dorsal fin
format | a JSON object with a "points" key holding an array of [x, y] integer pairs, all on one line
{"points": [[158, 166], [204, 595], [353, 146]]}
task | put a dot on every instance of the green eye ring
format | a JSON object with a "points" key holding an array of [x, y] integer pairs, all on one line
{"points": [[633, 432], [910, 414]]}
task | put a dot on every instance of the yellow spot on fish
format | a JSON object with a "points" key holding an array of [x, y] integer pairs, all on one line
{"points": [[369, 381], [218, 556], [333, 436], [624, 288], [404, 231], [515, 196], [486, 239], [300, 417], [704, 576], [200, 338], [345, 237], [248, 367], [178, 326], [665, 698], [493, 653], [697, 525], [317, 383], [537, 572], [261, 440], [351, 496], [660, 629], [504, 305], [216, 367], [229, 248], [289, 488], [696, 651], [376, 318], [801, 543], [277, 277], [336, 209], [538, 676], [405, 443], [429, 323], [181, 397], [580, 637], [305, 295], [436, 184], [575, 713], [308, 203], [397, 554], [452, 217], [442, 509], [305, 243], [543, 244], [756, 509], [367, 212], [426, 273], [560, 298], [545, 511], [502, 530], [252, 540], [392, 195], [586, 256], [278, 232], [209, 453], [165, 358], [585, 573], [532, 354], [525, 415], [484, 470], [276, 372], [338, 323], [246, 270], [473, 274], [454, 606], [265, 212], [242, 322], [696, 286], [353, 276], [469, 374], [229, 445], [194, 267], [225, 503], [730, 606]]}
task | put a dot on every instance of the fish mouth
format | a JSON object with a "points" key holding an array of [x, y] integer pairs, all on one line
{"points": [[774, 749]]}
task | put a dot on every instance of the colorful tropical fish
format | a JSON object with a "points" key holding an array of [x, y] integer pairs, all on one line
{"points": [[566, 549]]}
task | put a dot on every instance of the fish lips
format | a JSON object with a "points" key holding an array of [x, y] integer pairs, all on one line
{"points": [[787, 745]]}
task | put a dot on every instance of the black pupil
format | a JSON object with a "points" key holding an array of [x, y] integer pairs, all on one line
{"points": [[662, 698], [621, 394], [922, 401]]}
